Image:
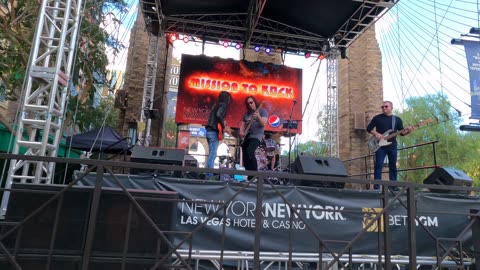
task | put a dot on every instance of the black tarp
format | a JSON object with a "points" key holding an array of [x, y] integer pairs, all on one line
{"points": [[336, 216], [104, 139]]}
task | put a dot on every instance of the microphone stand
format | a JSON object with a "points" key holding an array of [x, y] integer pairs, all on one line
{"points": [[290, 138]]}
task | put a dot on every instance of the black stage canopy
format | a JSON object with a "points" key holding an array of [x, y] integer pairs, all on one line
{"points": [[292, 26]]}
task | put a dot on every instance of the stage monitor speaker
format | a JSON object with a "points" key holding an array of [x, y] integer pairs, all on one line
{"points": [[448, 177], [326, 166], [154, 155], [320, 166]]}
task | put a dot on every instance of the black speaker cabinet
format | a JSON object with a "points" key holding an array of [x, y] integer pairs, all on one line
{"points": [[325, 166], [154, 155], [448, 177], [320, 166]]}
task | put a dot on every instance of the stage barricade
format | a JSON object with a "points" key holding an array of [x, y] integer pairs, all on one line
{"points": [[56, 235], [322, 213]]}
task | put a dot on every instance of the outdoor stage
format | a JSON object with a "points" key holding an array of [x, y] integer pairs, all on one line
{"points": [[111, 221]]}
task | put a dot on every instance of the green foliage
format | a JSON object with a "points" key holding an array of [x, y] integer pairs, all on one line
{"points": [[88, 117], [455, 149], [310, 148], [16, 34], [171, 134], [322, 133]]}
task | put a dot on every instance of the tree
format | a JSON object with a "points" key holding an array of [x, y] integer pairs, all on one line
{"points": [[322, 133], [310, 148], [455, 149], [17, 26], [88, 117]]}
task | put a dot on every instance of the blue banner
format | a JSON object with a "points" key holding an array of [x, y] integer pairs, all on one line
{"points": [[472, 51]]}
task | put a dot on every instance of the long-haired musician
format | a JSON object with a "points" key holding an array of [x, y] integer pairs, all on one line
{"points": [[252, 128]]}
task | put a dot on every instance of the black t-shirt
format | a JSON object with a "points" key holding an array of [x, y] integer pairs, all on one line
{"points": [[383, 123]]}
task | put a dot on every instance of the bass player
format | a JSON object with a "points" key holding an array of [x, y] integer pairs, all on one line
{"points": [[252, 128]]}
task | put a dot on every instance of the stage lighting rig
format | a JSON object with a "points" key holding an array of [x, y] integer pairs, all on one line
{"points": [[226, 43], [257, 48], [321, 56], [268, 50], [308, 54]]}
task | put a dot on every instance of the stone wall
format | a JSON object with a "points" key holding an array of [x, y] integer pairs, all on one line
{"points": [[360, 96], [135, 78]]}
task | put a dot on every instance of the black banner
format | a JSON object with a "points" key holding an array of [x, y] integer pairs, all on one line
{"points": [[331, 214]]}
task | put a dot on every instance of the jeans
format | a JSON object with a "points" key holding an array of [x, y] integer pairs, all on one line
{"points": [[212, 139], [249, 159], [391, 152]]}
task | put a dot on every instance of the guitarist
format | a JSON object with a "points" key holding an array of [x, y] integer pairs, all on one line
{"points": [[380, 124], [215, 127], [252, 128]]}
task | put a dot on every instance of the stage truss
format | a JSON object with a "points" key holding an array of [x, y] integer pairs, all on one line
{"points": [[39, 124], [251, 27]]}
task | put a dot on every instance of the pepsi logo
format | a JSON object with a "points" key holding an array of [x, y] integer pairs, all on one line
{"points": [[274, 121]]}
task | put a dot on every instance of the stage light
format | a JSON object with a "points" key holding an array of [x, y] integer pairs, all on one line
{"points": [[238, 46], [185, 39], [226, 44], [173, 37], [256, 48], [268, 50], [321, 56], [307, 54], [475, 30]]}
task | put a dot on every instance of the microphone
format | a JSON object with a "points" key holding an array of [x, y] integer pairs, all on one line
{"points": [[294, 102]]}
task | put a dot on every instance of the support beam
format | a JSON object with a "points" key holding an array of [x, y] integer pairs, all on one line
{"points": [[332, 103], [149, 86], [44, 94], [254, 12]]}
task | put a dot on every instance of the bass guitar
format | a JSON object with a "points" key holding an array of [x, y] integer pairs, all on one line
{"points": [[374, 144]]}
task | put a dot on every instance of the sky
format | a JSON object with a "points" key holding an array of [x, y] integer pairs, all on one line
{"points": [[417, 57]]}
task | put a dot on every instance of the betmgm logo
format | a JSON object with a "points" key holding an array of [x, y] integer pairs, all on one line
{"points": [[370, 222]]}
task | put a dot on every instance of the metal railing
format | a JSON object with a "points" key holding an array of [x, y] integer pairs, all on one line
{"points": [[368, 161], [168, 254]]}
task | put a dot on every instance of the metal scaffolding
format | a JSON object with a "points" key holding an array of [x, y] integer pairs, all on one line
{"points": [[39, 124], [149, 86], [332, 104], [253, 27]]}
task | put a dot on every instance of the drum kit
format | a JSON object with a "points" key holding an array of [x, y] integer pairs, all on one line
{"points": [[265, 153]]}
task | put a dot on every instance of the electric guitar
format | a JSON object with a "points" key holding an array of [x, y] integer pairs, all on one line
{"points": [[249, 125], [374, 144], [222, 131]]}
